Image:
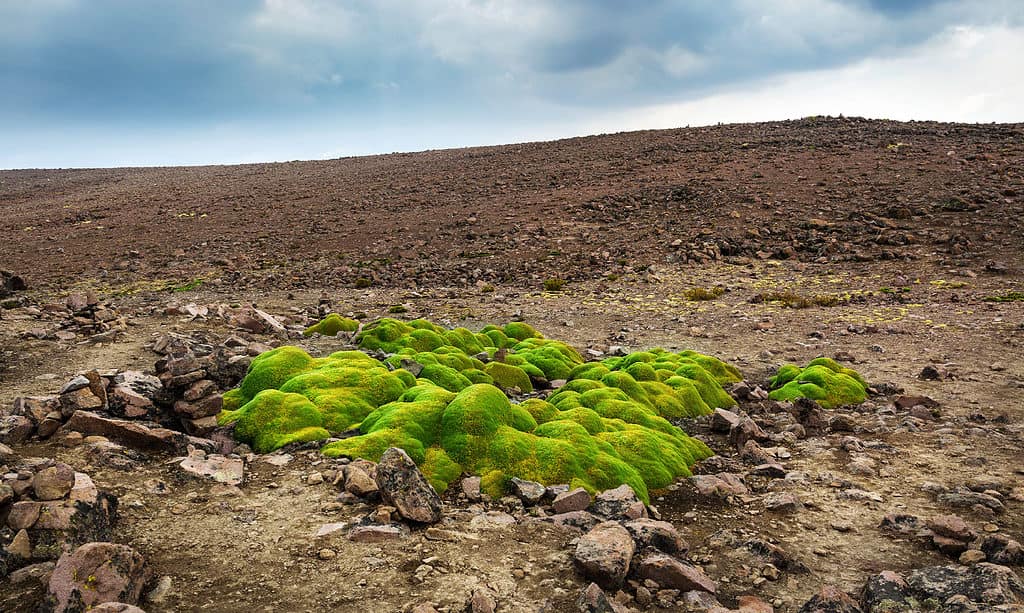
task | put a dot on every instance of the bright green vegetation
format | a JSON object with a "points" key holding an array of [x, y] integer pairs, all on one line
{"points": [[607, 425], [331, 325], [822, 380], [1007, 297]]}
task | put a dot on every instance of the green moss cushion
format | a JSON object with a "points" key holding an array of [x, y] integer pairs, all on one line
{"points": [[608, 425], [331, 325], [822, 380]]}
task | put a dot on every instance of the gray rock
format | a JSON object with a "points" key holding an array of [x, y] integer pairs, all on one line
{"points": [[358, 482], [530, 492], [471, 488], [580, 520], [603, 555], [403, 486], [745, 430], [15, 429], [722, 485], [217, 467], [619, 503]]}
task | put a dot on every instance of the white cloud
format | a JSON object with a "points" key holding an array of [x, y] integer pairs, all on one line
{"points": [[966, 74]]}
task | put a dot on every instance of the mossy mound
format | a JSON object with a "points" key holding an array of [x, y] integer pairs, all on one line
{"points": [[608, 425], [331, 325], [480, 432], [822, 380], [516, 347]]}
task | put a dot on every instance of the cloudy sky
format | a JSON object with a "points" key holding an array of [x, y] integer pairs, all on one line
{"points": [[123, 82]]}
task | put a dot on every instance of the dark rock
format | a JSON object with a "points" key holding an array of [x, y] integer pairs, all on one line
{"points": [[905, 403], [93, 574], [830, 600], [885, 587], [773, 470], [982, 583], [603, 555], [964, 498], [592, 599], [1001, 549], [901, 524], [658, 534], [618, 503], [744, 430], [775, 555], [670, 573], [752, 453], [403, 486]]}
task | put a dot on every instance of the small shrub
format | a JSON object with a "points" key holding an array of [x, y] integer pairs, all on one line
{"points": [[398, 308], [363, 283], [696, 294], [1007, 297]]}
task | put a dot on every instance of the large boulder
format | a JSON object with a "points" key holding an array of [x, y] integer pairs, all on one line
{"points": [[402, 485], [982, 583], [93, 574], [603, 555]]}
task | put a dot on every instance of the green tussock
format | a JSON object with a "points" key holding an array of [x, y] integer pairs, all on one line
{"points": [[822, 380], [697, 294], [332, 325], [608, 425]]}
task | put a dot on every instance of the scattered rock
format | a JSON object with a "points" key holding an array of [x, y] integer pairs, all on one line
{"points": [[375, 534], [53, 483], [722, 485], [128, 433]]}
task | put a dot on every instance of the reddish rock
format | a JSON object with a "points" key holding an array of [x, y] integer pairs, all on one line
{"points": [[359, 483], [830, 600], [670, 573], [128, 433], [722, 484], [575, 500], [96, 573], [950, 526]]}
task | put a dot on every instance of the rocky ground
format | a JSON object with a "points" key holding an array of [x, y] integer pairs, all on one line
{"points": [[141, 294]]}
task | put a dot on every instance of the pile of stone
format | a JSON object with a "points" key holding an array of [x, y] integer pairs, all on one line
{"points": [[80, 316], [954, 537]]}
